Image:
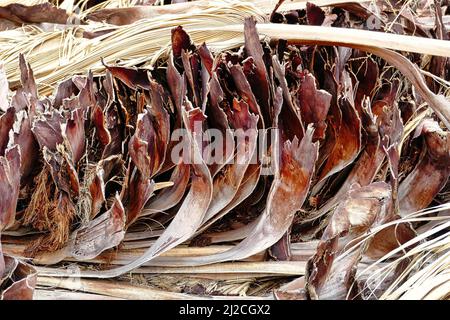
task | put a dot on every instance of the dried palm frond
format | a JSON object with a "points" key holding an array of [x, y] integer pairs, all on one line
{"points": [[68, 52], [338, 172], [415, 273]]}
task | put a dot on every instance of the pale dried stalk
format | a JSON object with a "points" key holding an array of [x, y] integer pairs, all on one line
{"points": [[319, 35], [299, 252], [267, 6], [58, 294], [128, 291], [285, 268], [122, 290]]}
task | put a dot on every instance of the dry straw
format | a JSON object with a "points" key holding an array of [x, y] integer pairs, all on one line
{"points": [[56, 52]]}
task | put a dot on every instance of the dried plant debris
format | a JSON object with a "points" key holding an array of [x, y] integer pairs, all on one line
{"points": [[331, 272], [430, 175], [44, 12], [275, 159], [18, 280]]}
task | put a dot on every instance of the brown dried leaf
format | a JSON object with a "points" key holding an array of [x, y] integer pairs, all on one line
{"points": [[191, 212], [104, 232], [227, 181], [366, 166], [116, 128], [44, 12], [258, 77], [62, 171], [245, 190], [27, 78], [139, 189], [248, 183], [177, 84], [22, 135], [9, 185], [314, 14], [348, 139], [51, 207], [142, 144], [99, 121], [367, 72], [134, 78], [66, 89], [290, 117], [75, 135], [430, 175], [281, 250], [6, 124], [87, 95], [244, 90], [103, 171], [161, 123], [47, 130], [2, 264], [294, 290], [314, 105], [330, 276], [191, 70], [22, 281], [217, 119], [180, 41], [289, 189]]}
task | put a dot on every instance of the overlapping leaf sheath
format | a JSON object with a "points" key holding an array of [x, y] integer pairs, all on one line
{"points": [[294, 168], [17, 279], [10, 183], [194, 206], [44, 12], [292, 179], [430, 175], [272, 143], [331, 271]]}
